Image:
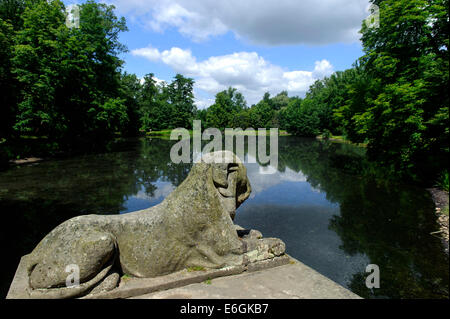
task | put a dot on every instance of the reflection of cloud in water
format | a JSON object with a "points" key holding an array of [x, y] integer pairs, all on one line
{"points": [[261, 182], [163, 189], [142, 200], [305, 230], [286, 206]]}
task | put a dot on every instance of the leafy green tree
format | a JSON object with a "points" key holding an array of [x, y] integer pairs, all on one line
{"points": [[167, 110], [407, 121], [130, 91], [262, 114], [301, 118], [181, 97], [11, 11], [241, 119], [69, 79], [225, 110], [7, 81], [37, 66], [109, 117], [148, 104], [201, 115], [354, 96], [280, 101]]}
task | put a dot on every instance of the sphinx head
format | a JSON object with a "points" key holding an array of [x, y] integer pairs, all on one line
{"points": [[229, 176]]}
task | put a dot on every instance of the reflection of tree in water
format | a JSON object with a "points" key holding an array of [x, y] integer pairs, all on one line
{"points": [[393, 229], [389, 223], [155, 163]]}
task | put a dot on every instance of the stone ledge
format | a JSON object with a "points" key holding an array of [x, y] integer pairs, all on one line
{"points": [[140, 286], [292, 281], [18, 288]]}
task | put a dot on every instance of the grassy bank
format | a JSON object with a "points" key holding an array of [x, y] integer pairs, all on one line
{"points": [[339, 139], [166, 133]]}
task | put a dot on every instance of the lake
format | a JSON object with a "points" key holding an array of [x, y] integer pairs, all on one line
{"points": [[319, 201]]}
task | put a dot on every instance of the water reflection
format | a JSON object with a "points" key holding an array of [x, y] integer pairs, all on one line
{"points": [[320, 201]]}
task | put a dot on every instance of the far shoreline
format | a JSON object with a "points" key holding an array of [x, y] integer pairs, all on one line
{"points": [[441, 199]]}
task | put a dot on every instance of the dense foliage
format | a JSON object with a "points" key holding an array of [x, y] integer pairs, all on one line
{"points": [[65, 86]]}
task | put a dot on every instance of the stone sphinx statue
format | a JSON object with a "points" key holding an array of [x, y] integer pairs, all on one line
{"points": [[193, 226]]}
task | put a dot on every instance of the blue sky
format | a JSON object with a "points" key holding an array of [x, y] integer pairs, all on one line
{"points": [[255, 46]]}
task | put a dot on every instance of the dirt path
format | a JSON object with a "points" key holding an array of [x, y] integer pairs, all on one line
{"points": [[440, 199]]}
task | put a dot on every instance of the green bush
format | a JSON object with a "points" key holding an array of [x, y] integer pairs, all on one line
{"points": [[443, 181]]}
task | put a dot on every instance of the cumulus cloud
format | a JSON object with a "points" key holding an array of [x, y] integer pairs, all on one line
{"points": [[260, 182], [269, 22], [248, 72], [158, 81]]}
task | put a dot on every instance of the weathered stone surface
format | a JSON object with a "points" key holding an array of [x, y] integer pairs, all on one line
{"points": [[109, 283], [192, 227], [293, 280], [268, 263], [246, 233], [263, 248], [138, 286]]}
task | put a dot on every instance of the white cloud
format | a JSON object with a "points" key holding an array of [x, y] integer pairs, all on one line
{"points": [[322, 69], [149, 53], [269, 22], [158, 81], [204, 103], [248, 72]]}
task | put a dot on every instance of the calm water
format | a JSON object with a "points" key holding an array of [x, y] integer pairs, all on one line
{"points": [[330, 217]]}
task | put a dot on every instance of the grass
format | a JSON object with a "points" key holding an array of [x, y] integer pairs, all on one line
{"points": [[161, 132], [208, 281], [196, 268], [166, 133], [443, 182], [255, 132], [126, 277], [339, 139]]}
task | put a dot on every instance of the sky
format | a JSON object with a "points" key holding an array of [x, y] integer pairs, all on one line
{"points": [[255, 46]]}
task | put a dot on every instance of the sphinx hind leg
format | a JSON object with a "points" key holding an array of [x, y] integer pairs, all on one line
{"points": [[78, 260]]}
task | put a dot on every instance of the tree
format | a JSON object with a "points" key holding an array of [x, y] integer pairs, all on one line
{"points": [[148, 105], [181, 97], [11, 11], [226, 109], [8, 84], [69, 79], [301, 118], [261, 115], [37, 66], [130, 91], [407, 121], [280, 101]]}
